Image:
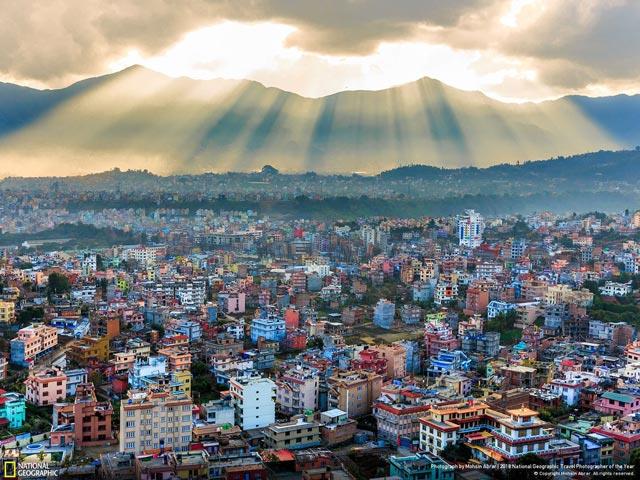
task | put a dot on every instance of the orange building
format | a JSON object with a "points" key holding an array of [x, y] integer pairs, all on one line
{"points": [[178, 358], [91, 420], [477, 300]]}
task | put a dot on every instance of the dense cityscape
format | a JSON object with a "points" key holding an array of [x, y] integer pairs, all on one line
{"points": [[231, 345], [306, 240]]}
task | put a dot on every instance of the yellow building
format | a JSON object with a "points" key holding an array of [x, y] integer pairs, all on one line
{"points": [[7, 312], [184, 377], [90, 347]]}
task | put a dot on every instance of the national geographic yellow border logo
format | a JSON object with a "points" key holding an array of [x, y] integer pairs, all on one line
{"points": [[10, 469]]}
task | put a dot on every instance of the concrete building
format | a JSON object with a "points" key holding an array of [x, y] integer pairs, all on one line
{"points": [[46, 387], [146, 367], [410, 314], [396, 356], [337, 428], [75, 377], [12, 409], [298, 389], [354, 392], [270, 327], [399, 419], [219, 412], [615, 289], [470, 227], [7, 312], [89, 418], [254, 399], [151, 421], [178, 358], [485, 344], [296, 434], [384, 314], [568, 389], [32, 343]]}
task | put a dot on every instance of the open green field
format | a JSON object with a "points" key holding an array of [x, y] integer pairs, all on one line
{"points": [[372, 334]]}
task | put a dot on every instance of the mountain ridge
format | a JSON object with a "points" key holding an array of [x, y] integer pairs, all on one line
{"points": [[139, 118]]}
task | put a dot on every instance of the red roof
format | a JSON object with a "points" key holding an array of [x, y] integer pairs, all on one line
{"points": [[281, 455]]}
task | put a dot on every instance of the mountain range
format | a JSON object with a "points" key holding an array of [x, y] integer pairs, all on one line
{"points": [[140, 119]]}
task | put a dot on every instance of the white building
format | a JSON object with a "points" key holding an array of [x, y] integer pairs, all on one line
{"points": [[323, 270], [144, 255], [89, 263], [497, 307], [84, 293], [219, 412], [445, 292], [373, 236], [615, 289], [568, 389], [254, 399], [470, 228]]}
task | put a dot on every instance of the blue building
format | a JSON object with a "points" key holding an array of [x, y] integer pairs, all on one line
{"points": [[446, 362], [192, 330], [212, 313], [74, 378], [497, 307], [384, 314], [414, 361], [13, 409], [423, 291], [421, 466], [271, 327]]}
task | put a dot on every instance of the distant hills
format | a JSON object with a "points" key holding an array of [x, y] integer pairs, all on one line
{"points": [[604, 181], [140, 119]]}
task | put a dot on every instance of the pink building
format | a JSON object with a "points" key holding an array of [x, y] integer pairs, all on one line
{"points": [[371, 361], [46, 387], [618, 404], [32, 342], [233, 301]]}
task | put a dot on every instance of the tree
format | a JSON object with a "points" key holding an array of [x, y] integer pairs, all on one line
{"points": [[634, 459], [96, 378], [58, 284], [315, 342]]}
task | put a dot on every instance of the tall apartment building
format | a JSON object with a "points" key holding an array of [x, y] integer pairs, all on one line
{"points": [[297, 390], [254, 398], [470, 227], [155, 420], [354, 392], [32, 343], [384, 313]]}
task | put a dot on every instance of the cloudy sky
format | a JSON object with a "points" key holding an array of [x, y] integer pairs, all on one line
{"points": [[513, 50]]}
